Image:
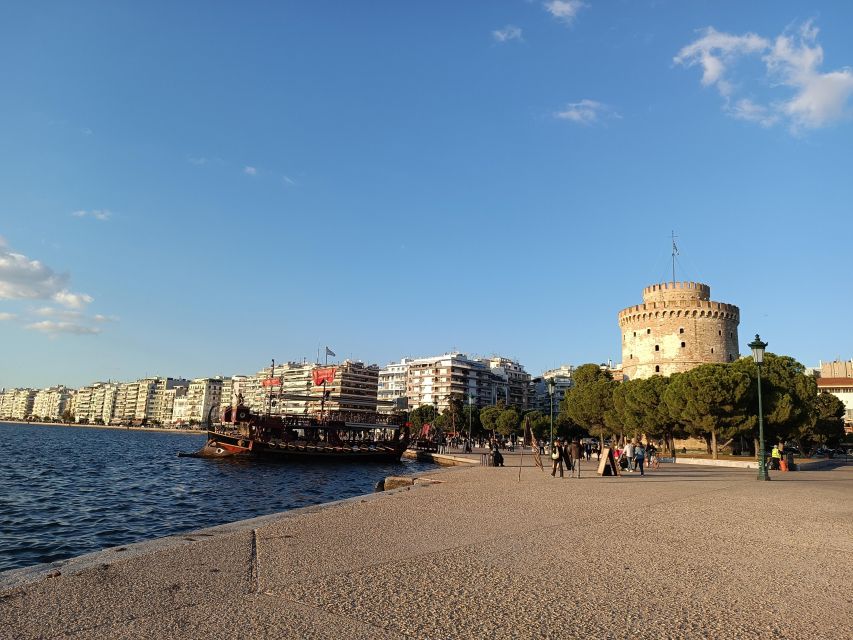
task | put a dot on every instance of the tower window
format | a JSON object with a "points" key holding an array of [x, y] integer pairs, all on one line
{"points": [[657, 347], [657, 369], [712, 349], [681, 330], [635, 334], [719, 333], [683, 344], [648, 331]]}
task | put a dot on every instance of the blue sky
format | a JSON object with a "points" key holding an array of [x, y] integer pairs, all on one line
{"points": [[194, 188]]}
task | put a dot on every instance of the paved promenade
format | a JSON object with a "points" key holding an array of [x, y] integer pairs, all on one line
{"points": [[681, 553]]}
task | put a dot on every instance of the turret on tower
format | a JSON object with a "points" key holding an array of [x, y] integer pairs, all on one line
{"points": [[677, 327]]}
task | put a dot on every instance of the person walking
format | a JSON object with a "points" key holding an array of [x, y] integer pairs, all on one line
{"points": [[775, 457], [628, 452], [575, 454], [556, 458], [639, 457], [587, 449]]}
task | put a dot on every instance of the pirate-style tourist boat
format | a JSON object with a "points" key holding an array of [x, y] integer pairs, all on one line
{"points": [[327, 435]]}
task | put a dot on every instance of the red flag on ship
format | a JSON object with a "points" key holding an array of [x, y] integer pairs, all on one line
{"points": [[324, 374]]}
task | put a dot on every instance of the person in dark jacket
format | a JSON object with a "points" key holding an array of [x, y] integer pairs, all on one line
{"points": [[575, 456], [557, 458]]}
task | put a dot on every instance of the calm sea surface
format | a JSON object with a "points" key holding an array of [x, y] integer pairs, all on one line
{"points": [[65, 491]]}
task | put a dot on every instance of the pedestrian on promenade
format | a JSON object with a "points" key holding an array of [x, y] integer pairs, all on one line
{"points": [[651, 452], [556, 458], [575, 454], [598, 453], [775, 457], [587, 450], [497, 457], [639, 457], [629, 454]]}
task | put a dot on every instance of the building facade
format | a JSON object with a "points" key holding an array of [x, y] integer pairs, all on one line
{"points": [[836, 377], [392, 385], [51, 403], [676, 328], [540, 396]]}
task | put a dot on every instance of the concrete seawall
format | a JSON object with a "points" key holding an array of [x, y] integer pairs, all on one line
{"points": [[686, 552]]}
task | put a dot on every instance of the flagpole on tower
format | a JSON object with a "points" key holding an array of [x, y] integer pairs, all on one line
{"points": [[674, 253]]}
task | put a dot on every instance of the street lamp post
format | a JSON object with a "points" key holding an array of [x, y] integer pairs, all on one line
{"points": [[758, 347], [551, 386], [470, 411]]}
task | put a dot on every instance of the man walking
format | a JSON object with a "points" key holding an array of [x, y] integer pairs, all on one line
{"points": [[628, 452], [575, 457]]}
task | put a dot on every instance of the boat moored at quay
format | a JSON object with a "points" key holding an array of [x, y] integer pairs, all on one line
{"points": [[333, 435]]}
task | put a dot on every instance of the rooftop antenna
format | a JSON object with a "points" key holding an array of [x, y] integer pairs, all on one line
{"points": [[674, 253]]}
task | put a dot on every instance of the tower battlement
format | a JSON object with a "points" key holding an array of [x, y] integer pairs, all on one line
{"points": [[676, 291]]}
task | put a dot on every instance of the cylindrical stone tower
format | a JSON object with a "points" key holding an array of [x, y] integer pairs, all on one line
{"points": [[677, 328]]}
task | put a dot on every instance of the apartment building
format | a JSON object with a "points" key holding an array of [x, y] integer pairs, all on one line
{"points": [[203, 396], [836, 377], [17, 404], [541, 400], [51, 403], [512, 381], [391, 392], [436, 380], [482, 381]]}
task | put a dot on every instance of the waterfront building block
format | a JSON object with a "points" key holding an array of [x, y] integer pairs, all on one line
{"points": [[392, 384], [203, 396], [435, 380], [677, 328], [51, 403], [17, 404], [836, 377], [540, 399]]}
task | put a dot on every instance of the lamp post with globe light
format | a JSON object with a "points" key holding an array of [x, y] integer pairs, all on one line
{"points": [[758, 347], [551, 386]]}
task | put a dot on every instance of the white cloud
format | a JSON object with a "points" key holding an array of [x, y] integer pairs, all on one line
{"points": [[586, 112], [746, 109], [98, 214], [792, 62], [72, 300], [7, 316], [509, 32], [54, 328], [24, 279], [564, 10], [250, 171], [197, 160], [290, 182], [101, 318], [715, 50], [53, 312]]}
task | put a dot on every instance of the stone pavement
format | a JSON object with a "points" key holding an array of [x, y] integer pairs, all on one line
{"points": [[681, 553]]}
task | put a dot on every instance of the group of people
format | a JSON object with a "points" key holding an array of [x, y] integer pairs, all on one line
{"points": [[569, 453], [633, 456]]}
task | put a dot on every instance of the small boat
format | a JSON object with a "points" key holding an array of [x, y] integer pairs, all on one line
{"points": [[333, 436]]}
